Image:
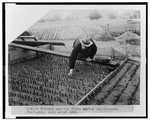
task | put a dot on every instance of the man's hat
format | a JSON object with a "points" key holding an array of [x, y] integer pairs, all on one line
{"points": [[86, 41]]}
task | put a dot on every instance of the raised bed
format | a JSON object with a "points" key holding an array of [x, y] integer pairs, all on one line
{"points": [[122, 89], [44, 81]]}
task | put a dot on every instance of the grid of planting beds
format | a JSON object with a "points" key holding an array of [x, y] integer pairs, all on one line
{"points": [[44, 80], [122, 89]]}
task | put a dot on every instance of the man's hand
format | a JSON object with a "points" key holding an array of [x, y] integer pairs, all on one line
{"points": [[93, 59], [70, 73], [88, 59]]}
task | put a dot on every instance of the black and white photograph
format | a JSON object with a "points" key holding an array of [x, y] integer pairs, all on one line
{"points": [[78, 59]]}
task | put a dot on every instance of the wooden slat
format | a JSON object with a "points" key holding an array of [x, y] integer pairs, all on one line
{"points": [[28, 37], [36, 43], [55, 34], [50, 40]]}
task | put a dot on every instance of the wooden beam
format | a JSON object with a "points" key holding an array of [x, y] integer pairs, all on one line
{"points": [[38, 43], [27, 37], [56, 40]]}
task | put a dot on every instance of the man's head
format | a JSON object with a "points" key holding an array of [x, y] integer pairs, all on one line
{"points": [[86, 42]]}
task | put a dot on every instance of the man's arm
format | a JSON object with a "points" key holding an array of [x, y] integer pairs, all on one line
{"points": [[73, 56], [93, 51]]}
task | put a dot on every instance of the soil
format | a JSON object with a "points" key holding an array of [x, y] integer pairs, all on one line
{"points": [[123, 89], [44, 81], [128, 36]]}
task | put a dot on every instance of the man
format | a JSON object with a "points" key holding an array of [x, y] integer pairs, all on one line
{"points": [[83, 48]]}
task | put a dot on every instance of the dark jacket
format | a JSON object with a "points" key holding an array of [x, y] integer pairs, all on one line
{"points": [[78, 52]]}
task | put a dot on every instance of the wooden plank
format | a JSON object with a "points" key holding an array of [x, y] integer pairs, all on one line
{"points": [[28, 37], [37, 43], [108, 63], [51, 40]]}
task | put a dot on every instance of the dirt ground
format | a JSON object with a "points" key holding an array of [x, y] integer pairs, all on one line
{"points": [[98, 29]]}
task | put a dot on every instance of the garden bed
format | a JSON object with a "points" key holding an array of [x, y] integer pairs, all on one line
{"points": [[45, 81]]}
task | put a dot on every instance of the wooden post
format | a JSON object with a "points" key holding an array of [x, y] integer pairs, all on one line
{"points": [[108, 27], [112, 53]]}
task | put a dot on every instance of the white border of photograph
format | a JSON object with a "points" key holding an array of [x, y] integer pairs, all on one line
{"points": [[20, 18]]}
